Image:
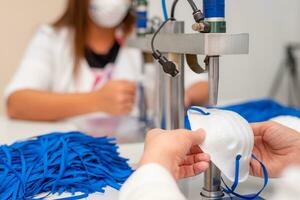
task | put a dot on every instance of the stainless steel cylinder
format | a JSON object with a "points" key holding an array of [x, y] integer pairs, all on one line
{"points": [[171, 89], [212, 177], [213, 79]]}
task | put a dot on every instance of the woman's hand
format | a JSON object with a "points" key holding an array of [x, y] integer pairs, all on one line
{"points": [[116, 97], [177, 151], [277, 146]]}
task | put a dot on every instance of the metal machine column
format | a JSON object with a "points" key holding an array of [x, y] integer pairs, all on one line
{"points": [[212, 177], [171, 89]]}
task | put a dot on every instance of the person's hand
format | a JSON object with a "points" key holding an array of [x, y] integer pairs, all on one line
{"points": [[197, 94], [116, 97], [177, 151], [277, 146]]}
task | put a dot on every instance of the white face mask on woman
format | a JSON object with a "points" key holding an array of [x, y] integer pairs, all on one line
{"points": [[108, 13]]}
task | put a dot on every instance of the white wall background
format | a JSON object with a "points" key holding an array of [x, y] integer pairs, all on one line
{"points": [[271, 24], [19, 20]]}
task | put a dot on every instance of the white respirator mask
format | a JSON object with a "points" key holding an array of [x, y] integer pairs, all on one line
{"points": [[108, 13], [229, 141]]}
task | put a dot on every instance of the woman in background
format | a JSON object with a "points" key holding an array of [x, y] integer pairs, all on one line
{"points": [[78, 66]]}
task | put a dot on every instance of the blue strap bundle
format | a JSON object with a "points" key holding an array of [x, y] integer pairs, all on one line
{"points": [[262, 110], [60, 162]]}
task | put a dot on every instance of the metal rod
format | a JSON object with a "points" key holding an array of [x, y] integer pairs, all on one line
{"points": [[213, 76], [174, 95], [171, 89], [212, 177]]}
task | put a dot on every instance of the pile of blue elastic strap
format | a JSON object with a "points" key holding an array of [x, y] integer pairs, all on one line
{"points": [[262, 110], [60, 162]]}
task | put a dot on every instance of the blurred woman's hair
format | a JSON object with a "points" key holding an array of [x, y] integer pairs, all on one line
{"points": [[76, 18]]}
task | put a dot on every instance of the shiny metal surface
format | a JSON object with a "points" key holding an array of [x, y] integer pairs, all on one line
{"points": [[171, 89], [201, 44], [213, 79], [212, 183], [171, 93], [212, 177]]}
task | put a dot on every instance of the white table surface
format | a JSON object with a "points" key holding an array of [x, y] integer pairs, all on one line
{"points": [[12, 130]]}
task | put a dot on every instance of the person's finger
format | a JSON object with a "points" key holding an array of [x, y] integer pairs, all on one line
{"points": [[128, 105], [197, 137], [255, 169], [189, 160], [259, 129], [195, 149], [192, 170], [194, 158], [186, 171], [200, 167], [127, 110], [201, 157], [256, 127], [127, 99], [130, 86]]}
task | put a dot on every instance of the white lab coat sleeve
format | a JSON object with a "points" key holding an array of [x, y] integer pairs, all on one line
{"points": [[35, 70], [150, 182]]}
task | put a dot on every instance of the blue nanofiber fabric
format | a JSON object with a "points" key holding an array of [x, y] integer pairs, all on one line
{"points": [[60, 162], [262, 110], [259, 110]]}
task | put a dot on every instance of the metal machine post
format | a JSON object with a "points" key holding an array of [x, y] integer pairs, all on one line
{"points": [[212, 177], [171, 89]]}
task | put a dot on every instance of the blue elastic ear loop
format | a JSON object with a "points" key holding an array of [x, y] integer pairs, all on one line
{"points": [[236, 180], [164, 7], [199, 110], [187, 124]]}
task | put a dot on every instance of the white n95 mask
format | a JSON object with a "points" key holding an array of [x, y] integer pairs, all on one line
{"points": [[108, 13], [229, 141], [228, 137]]}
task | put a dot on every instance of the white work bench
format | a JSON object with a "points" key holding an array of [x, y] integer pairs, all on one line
{"points": [[12, 130]]}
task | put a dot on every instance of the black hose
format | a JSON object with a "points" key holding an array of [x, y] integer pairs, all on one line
{"points": [[193, 5], [173, 8], [156, 32]]}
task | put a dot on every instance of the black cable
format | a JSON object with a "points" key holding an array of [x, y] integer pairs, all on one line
{"points": [[193, 5], [156, 32], [169, 67], [173, 8]]}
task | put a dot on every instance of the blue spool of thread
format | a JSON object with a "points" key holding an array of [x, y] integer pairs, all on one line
{"points": [[214, 8]]}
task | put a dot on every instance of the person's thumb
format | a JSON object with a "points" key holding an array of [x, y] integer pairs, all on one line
{"points": [[197, 137]]}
